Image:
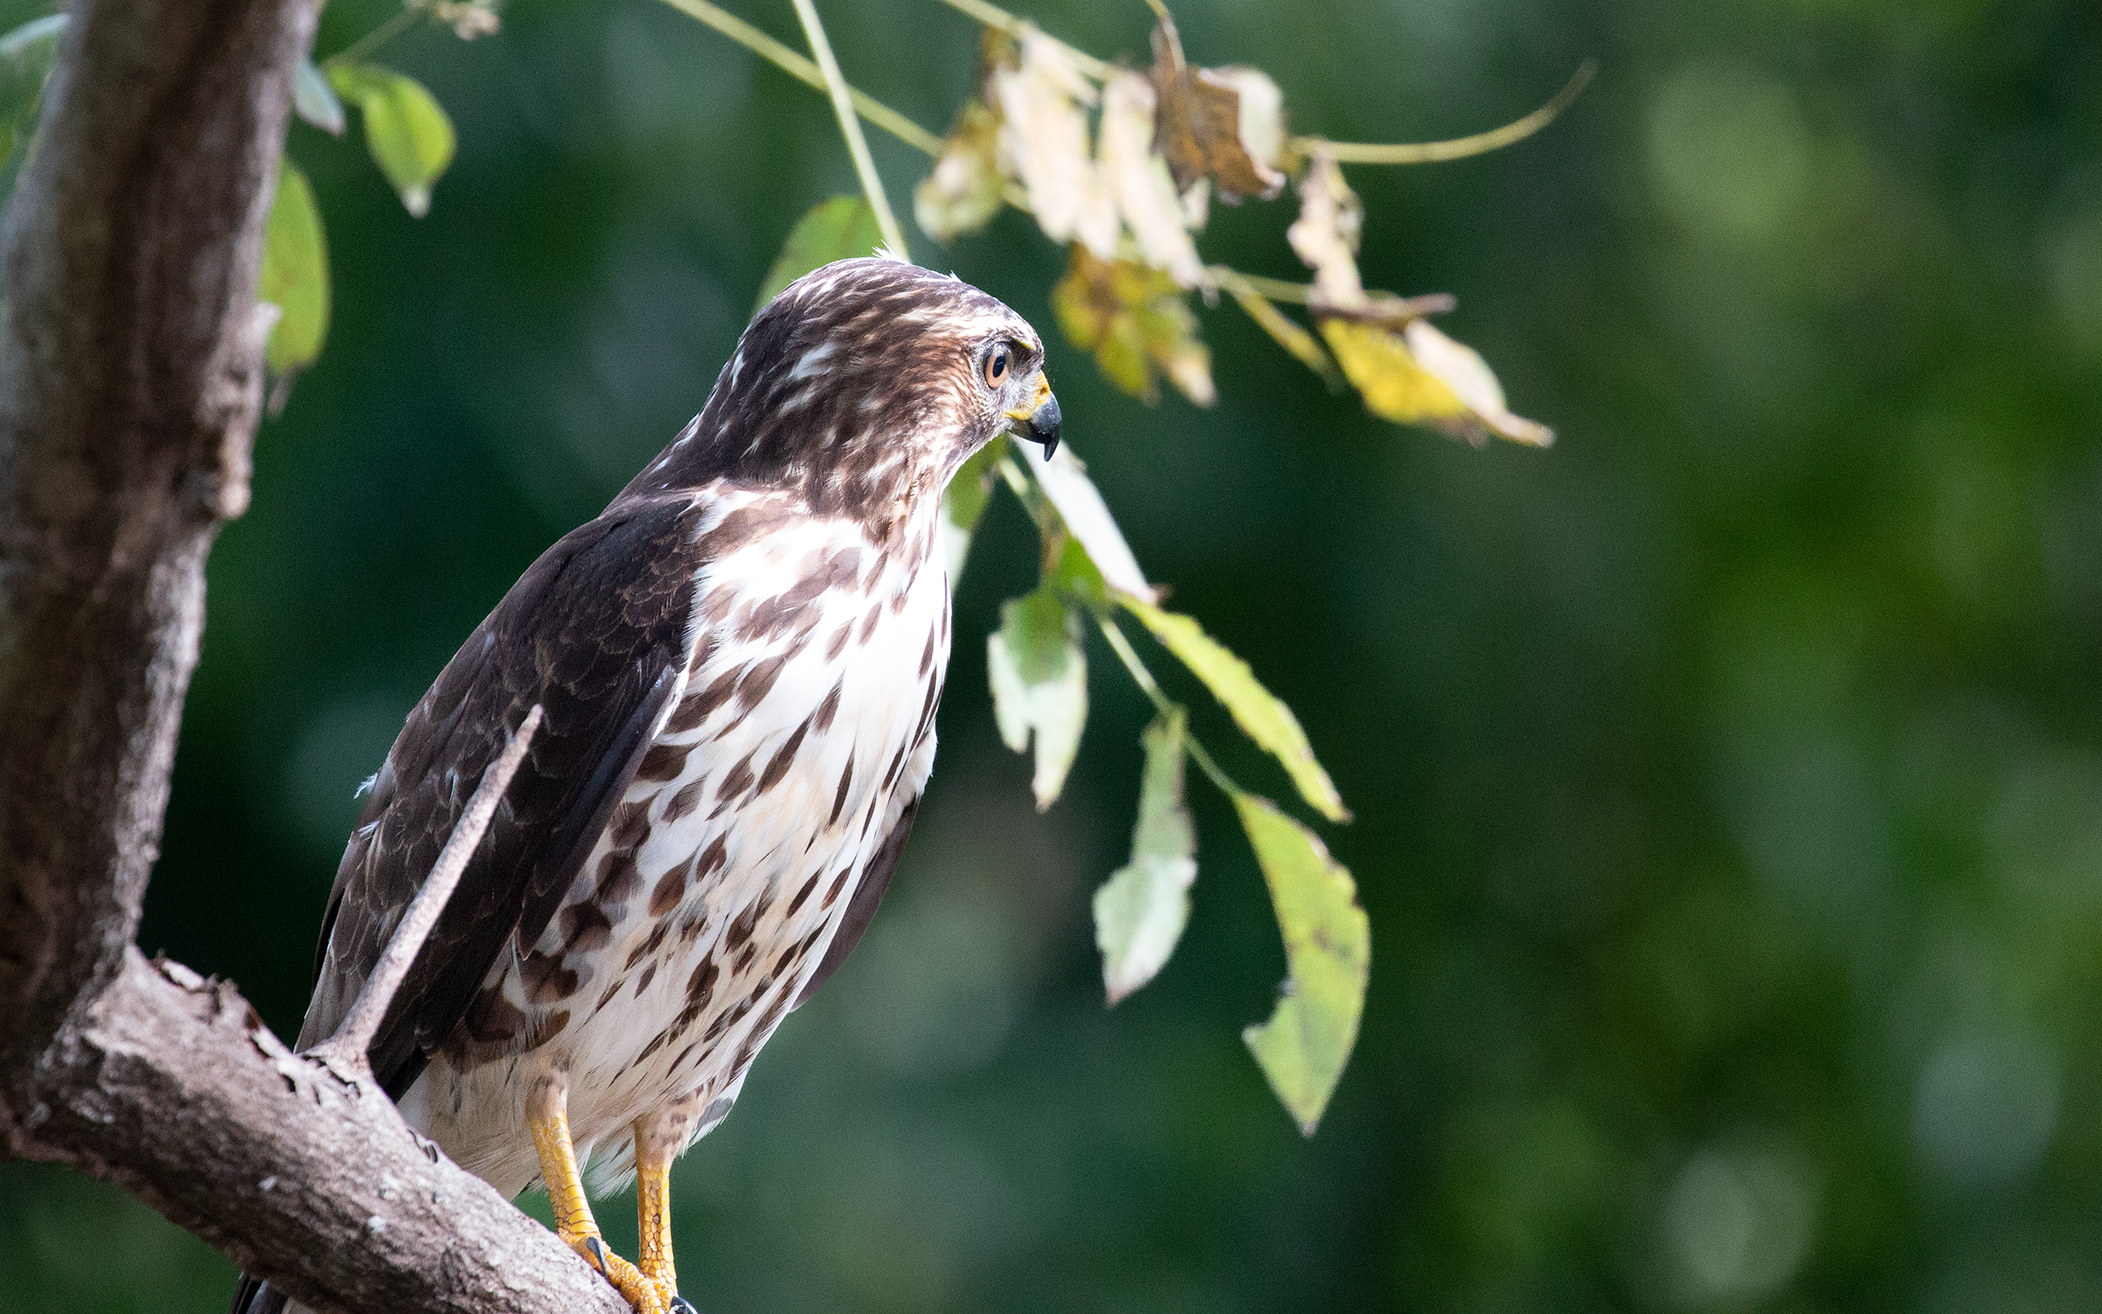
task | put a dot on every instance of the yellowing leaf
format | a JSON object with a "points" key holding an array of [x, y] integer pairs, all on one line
{"points": [[410, 137], [1141, 909], [1420, 376], [963, 501], [1146, 195], [962, 193], [1261, 715], [1462, 369], [1325, 235], [1038, 674], [1136, 323], [1086, 517], [1379, 364], [1168, 335], [1202, 132], [1304, 1046], [294, 276], [839, 228], [1044, 137]]}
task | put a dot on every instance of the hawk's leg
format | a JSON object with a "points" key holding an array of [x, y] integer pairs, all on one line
{"points": [[658, 1140], [547, 1113]]}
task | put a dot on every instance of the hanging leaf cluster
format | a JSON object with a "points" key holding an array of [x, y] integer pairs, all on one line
{"points": [[1122, 166]]}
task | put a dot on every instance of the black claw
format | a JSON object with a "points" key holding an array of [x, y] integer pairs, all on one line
{"points": [[598, 1253], [681, 1305]]}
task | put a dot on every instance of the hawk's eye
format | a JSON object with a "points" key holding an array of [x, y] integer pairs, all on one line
{"points": [[996, 365]]}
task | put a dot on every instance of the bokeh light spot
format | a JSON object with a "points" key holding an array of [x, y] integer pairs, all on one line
{"points": [[1985, 1108], [1729, 151], [1737, 1222]]}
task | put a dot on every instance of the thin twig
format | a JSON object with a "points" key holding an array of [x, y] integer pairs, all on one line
{"points": [[381, 35], [796, 66], [850, 127], [1283, 330], [1274, 289], [355, 1035], [1039, 510], [1025, 492], [1164, 704], [1431, 152], [994, 16]]}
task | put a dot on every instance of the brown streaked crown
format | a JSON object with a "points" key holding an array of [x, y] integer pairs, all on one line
{"points": [[859, 386]]}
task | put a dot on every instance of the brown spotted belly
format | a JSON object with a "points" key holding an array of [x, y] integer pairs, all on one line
{"points": [[712, 895]]}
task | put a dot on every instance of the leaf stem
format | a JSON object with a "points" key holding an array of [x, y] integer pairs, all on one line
{"points": [[1282, 329], [850, 128], [796, 66], [1274, 289], [1163, 704], [1431, 152], [993, 16], [1025, 491], [381, 35]]}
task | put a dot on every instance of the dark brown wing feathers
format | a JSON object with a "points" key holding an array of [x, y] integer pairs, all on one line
{"points": [[622, 588]]}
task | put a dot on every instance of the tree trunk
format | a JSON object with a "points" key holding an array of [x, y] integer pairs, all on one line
{"points": [[130, 384]]}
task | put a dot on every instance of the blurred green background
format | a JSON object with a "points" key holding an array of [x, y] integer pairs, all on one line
{"points": [[1728, 778]]}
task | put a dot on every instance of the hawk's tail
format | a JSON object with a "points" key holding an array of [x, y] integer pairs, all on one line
{"points": [[255, 1296]]}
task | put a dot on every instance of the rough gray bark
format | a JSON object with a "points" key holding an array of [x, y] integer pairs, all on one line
{"points": [[130, 382]]}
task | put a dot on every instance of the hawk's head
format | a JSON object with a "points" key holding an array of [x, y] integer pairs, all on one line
{"points": [[864, 385]]}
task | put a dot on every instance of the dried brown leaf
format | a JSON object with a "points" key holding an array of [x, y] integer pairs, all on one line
{"points": [[1224, 124]]}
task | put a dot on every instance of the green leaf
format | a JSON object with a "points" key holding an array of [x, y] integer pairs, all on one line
{"points": [[1038, 672], [25, 62], [1328, 952], [963, 501], [1074, 573], [34, 33], [1261, 715], [295, 273], [410, 137], [1079, 504], [836, 229], [1141, 909], [315, 101]]}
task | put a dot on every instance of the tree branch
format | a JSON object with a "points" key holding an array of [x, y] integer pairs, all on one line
{"points": [[130, 382], [172, 1087]]}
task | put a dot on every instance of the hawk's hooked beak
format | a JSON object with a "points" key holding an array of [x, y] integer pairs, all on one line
{"points": [[1040, 418]]}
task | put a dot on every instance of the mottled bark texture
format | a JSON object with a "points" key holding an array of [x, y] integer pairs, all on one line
{"points": [[130, 381]]}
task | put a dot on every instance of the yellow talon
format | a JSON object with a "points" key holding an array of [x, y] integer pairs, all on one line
{"points": [[654, 1150], [548, 1116]]}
